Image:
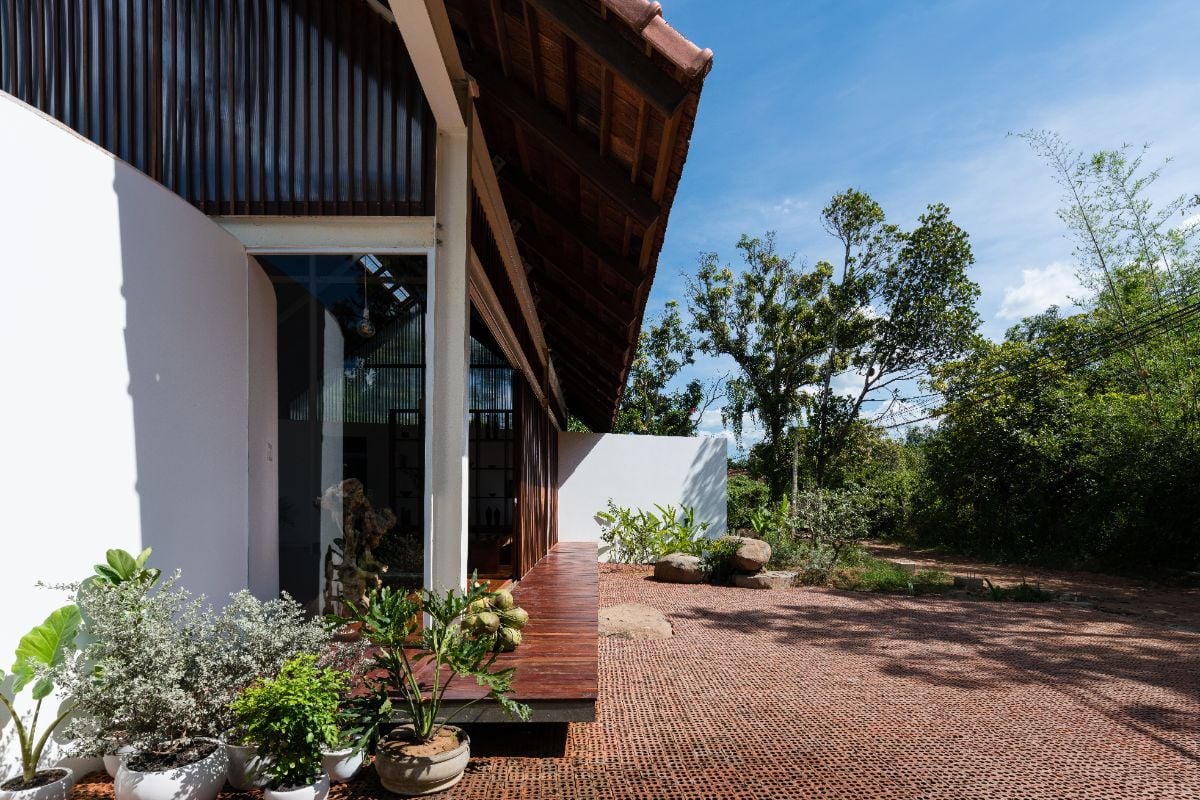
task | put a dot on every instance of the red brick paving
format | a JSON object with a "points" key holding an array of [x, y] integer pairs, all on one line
{"points": [[825, 694]]}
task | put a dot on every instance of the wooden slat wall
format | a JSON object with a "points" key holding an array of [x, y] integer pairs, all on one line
{"points": [[536, 520], [239, 106]]}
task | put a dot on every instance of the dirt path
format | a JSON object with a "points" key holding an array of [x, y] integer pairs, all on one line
{"points": [[1174, 606]]}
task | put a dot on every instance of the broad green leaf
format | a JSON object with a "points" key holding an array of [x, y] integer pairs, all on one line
{"points": [[122, 563], [143, 557], [44, 645]]}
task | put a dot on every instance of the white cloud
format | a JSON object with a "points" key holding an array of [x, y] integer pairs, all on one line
{"points": [[1039, 289]]}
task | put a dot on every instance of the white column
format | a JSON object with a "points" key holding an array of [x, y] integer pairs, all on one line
{"points": [[446, 357]]}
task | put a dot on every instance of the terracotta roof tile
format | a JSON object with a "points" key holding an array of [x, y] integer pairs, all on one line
{"points": [[645, 17]]}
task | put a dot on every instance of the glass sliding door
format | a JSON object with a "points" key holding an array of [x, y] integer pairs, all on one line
{"points": [[351, 361]]}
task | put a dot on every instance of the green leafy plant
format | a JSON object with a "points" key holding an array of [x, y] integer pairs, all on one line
{"points": [[123, 567], [1022, 592], [637, 536], [158, 664], [40, 654], [717, 560], [291, 718], [416, 664]]}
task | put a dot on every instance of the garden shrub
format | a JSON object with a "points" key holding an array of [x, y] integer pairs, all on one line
{"points": [[745, 495], [718, 560], [159, 664], [636, 536]]}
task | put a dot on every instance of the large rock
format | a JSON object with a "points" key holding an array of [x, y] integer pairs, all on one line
{"points": [[634, 621], [752, 554], [678, 568], [771, 579]]}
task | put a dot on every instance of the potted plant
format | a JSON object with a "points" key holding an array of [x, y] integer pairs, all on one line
{"points": [[159, 690], [40, 654], [291, 718], [358, 720], [247, 768], [417, 664]]}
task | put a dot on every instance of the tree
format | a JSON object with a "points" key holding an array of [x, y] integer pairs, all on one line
{"points": [[649, 406], [766, 319], [902, 305]]}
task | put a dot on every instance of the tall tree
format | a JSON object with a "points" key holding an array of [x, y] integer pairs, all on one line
{"points": [[649, 405], [766, 319], [902, 305]]}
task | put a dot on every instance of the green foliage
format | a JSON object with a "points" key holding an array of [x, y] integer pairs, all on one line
{"points": [[402, 647], [1020, 593], [291, 718], [766, 319], [122, 567], [1075, 439], [160, 665], [717, 559], [40, 658], [744, 494], [636, 536], [648, 406], [896, 304], [832, 519], [872, 574]]}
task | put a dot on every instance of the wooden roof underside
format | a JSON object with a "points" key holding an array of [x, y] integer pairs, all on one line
{"points": [[587, 108]]}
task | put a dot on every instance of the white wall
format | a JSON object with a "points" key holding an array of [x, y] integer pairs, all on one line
{"points": [[262, 436], [637, 472], [124, 337]]}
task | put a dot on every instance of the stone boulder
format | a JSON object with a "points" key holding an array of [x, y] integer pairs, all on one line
{"points": [[678, 568], [771, 579], [752, 554], [634, 621]]}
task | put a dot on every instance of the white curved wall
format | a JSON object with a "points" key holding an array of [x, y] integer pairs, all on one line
{"points": [[125, 336], [637, 472]]}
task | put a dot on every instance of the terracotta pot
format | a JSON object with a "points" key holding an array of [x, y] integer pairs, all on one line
{"points": [[350, 632], [58, 789], [342, 765], [199, 781], [247, 769], [421, 775], [314, 791]]}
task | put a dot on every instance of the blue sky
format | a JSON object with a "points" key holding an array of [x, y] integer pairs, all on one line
{"points": [[912, 102]]}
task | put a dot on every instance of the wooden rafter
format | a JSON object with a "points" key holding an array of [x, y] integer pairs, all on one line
{"points": [[517, 184], [505, 95], [501, 40], [639, 135], [616, 52], [662, 165], [579, 318], [606, 101], [535, 52]]}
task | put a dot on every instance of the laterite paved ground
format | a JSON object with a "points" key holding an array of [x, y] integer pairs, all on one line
{"points": [[826, 694]]}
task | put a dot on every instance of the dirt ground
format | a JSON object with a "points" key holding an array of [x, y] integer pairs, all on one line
{"points": [[1173, 605]]}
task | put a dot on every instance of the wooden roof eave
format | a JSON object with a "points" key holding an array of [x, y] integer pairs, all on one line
{"points": [[483, 175]]}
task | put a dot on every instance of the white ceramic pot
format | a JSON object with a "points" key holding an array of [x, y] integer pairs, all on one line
{"points": [[199, 781], [247, 769], [81, 765], [56, 790], [420, 775], [314, 791], [342, 765], [112, 761]]}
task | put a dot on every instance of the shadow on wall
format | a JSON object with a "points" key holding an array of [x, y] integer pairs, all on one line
{"points": [[704, 487], [183, 279]]}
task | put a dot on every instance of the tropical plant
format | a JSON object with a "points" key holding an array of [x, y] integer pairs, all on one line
{"points": [[41, 655], [637, 536], [291, 717], [416, 664], [122, 567]]}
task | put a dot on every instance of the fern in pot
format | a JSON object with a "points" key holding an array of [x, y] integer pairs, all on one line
{"points": [[292, 718], [415, 664], [41, 655]]}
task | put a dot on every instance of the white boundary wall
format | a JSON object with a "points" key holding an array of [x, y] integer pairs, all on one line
{"points": [[637, 472], [126, 341]]}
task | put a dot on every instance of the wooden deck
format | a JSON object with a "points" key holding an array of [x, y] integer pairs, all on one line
{"points": [[556, 662]]}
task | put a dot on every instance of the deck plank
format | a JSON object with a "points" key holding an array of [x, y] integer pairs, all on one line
{"points": [[557, 660]]}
